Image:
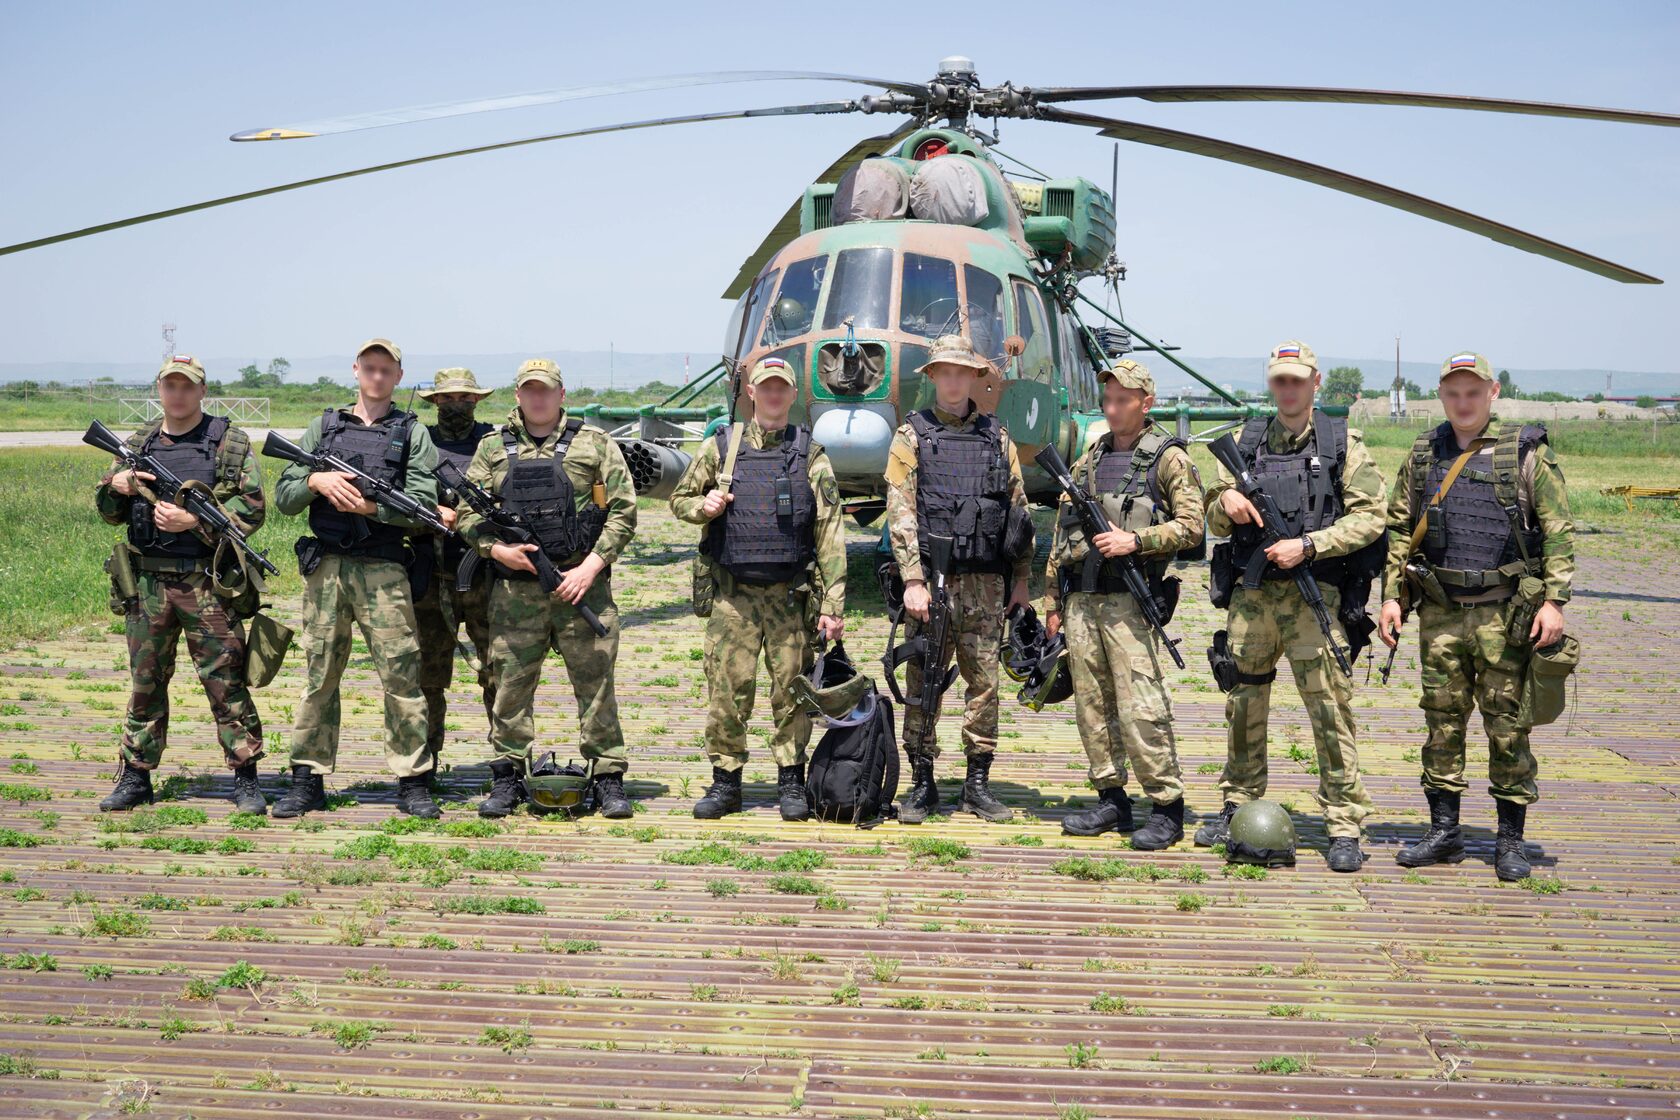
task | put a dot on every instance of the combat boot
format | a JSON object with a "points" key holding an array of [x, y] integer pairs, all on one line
{"points": [[1163, 829], [610, 799], [922, 798], [790, 785], [723, 798], [307, 794], [1218, 830], [247, 794], [414, 797], [1443, 843], [1510, 861], [1344, 855], [134, 787], [507, 789], [977, 792], [1112, 813]]}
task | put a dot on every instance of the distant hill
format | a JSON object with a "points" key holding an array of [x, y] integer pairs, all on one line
{"points": [[597, 368]]}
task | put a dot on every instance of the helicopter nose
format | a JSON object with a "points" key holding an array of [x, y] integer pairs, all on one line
{"points": [[856, 437]]}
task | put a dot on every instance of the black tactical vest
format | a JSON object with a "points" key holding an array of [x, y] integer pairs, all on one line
{"points": [[192, 460], [459, 452], [542, 491], [768, 533], [962, 489], [1306, 484], [381, 450], [1128, 485], [1481, 514]]}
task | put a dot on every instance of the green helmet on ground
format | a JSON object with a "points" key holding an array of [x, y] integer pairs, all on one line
{"points": [[1261, 833], [551, 786]]}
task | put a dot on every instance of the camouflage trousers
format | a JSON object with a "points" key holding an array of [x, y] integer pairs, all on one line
{"points": [[373, 595], [167, 608], [1266, 625], [1467, 663], [439, 615], [1119, 700], [976, 631], [747, 620], [525, 624]]}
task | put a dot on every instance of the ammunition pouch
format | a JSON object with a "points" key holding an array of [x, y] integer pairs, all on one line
{"points": [[1543, 691], [309, 551], [125, 589]]}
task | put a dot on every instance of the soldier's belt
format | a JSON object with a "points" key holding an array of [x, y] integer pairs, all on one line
{"points": [[176, 565], [1476, 581]]}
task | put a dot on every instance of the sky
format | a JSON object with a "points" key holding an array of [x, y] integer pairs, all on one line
{"points": [[627, 240]]}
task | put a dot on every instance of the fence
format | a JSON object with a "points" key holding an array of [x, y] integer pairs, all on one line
{"points": [[244, 411]]}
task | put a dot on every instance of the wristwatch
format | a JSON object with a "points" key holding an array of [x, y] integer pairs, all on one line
{"points": [[1308, 547]]}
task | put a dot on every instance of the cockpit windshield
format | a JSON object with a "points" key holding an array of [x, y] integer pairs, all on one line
{"points": [[862, 289], [928, 303], [796, 301]]}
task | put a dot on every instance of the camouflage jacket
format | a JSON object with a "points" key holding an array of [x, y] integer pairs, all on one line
{"points": [[292, 494], [1181, 490], [901, 492], [830, 569], [1363, 505], [243, 500], [592, 458], [1540, 493]]}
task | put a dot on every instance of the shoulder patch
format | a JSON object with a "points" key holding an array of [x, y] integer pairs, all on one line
{"points": [[829, 489]]}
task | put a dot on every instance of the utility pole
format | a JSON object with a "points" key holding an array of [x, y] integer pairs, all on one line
{"points": [[1397, 391], [168, 341]]}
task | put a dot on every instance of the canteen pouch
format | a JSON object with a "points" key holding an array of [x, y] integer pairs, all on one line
{"points": [[125, 590], [266, 642], [1543, 690]]}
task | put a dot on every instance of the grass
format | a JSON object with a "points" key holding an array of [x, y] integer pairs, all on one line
{"points": [[508, 1039], [116, 923]]}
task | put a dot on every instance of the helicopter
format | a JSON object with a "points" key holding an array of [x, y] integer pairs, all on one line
{"points": [[920, 232]]}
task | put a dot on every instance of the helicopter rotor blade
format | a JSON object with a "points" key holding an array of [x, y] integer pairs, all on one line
{"points": [[442, 109], [814, 109], [1332, 96], [787, 228], [1348, 184]]}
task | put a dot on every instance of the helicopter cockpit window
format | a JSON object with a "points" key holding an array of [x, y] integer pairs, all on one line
{"points": [[1035, 361], [928, 303], [862, 289], [795, 305], [756, 299], [985, 311]]}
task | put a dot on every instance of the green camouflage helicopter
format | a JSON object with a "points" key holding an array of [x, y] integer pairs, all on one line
{"points": [[918, 233]]}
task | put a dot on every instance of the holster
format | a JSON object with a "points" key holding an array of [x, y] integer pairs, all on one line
{"points": [[309, 551], [125, 589], [1222, 575], [1531, 593], [419, 565]]}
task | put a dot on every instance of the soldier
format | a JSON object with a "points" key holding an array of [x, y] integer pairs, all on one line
{"points": [[171, 563], [1153, 498], [356, 569], [771, 507], [441, 610], [572, 482], [1489, 569], [1328, 487], [952, 470]]}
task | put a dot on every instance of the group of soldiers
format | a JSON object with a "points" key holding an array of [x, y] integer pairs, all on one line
{"points": [[1474, 535]]}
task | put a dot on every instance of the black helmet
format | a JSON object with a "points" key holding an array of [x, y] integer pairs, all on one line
{"points": [[835, 690], [1024, 639], [1050, 680]]}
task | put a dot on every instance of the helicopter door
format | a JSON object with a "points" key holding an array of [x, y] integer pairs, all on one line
{"points": [[1035, 361]]}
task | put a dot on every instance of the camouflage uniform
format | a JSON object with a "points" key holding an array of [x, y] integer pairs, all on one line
{"points": [[173, 603], [1467, 661], [1273, 621], [525, 623], [1119, 699], [442, 610], [373, 594], [977, 598], [775, 617]]}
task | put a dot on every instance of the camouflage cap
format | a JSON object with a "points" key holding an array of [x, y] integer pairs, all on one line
{"points": [[1291, 359], [955, 350], [184, 364], [456, 379], [1129, 375], [1467, 361], [384, 344], [538, 369], [771, 367]]}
